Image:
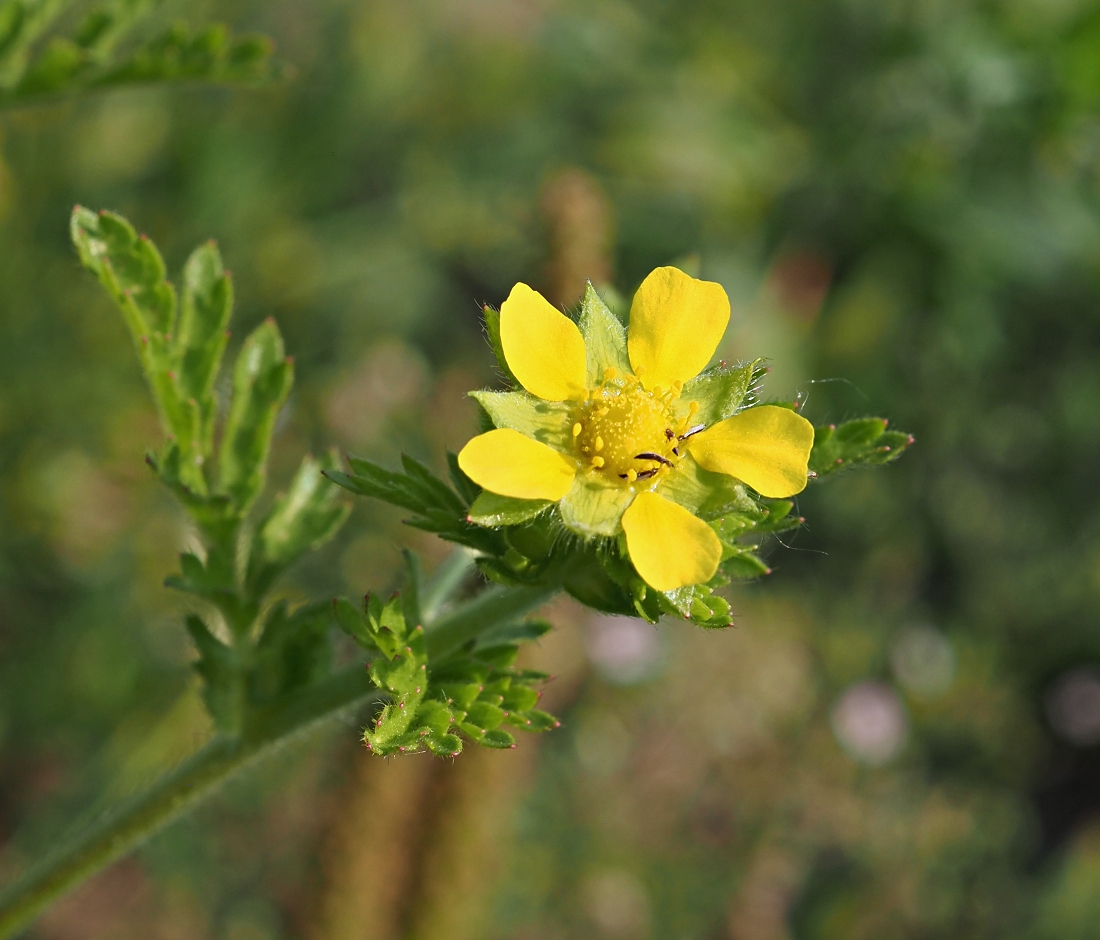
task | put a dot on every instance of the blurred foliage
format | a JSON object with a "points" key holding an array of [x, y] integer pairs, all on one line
{"points": [[58, 47], [902, 194]]}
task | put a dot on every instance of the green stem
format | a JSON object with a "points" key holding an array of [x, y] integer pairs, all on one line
{"points": [[136, 820]]}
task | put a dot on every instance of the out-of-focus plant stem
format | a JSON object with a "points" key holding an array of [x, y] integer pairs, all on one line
{"points": [[136, 820]]}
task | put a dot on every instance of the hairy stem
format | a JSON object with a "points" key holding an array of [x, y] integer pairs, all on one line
{"points": [[136, 820]]}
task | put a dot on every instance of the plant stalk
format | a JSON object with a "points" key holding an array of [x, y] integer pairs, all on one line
{"points": [[134, 821]]}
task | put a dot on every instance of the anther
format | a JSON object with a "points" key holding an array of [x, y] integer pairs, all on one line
{"points": [[657, 391], [610, 373], [597, 461], [599, 442], [639, 371], [693, 407], [577, 429], [631, 475], [648, 455]]}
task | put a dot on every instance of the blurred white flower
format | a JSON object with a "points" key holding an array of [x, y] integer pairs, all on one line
{"points": [[1073, 706], [623, 650], [923, 660], [869, 722]]}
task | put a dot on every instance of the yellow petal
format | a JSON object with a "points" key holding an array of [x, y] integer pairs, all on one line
{"points": [[669, 546], [544, 348], [676, 323], [767, 447], [511, 464]]}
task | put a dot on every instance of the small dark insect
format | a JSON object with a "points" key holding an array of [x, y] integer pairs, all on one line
{"points": [[646, 474], [691, 432], [647, 455], [669, 434]]}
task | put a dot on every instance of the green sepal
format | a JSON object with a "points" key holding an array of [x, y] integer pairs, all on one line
{"points": [[498, 739], [699, 604], [742, 564], [466, 488], [862, 441], [604, 338], [593, 507], [523, 632], [492, 331], [548, 422], [721, 391], [353, 622], [262, 378], [706, 494], [301, 520], [493, 510]]}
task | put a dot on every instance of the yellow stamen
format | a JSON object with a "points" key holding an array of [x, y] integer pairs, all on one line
{"points": [[577, 429], [599, 443], [610, 373], [597, 461], [693, 407], [632, 475]]}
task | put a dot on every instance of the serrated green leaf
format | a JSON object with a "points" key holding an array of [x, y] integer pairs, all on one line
{"points": [[205, 311], [262, 379], [293, 652], [604, 338], [301, 520], [211, 55], [131, 270], [548, 422], [223, 691], [129, 267]]}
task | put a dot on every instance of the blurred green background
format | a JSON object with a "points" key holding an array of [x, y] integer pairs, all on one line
{"points": [[901, 197]]}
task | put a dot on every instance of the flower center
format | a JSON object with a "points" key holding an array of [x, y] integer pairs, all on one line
{"points": [[626, 433]]}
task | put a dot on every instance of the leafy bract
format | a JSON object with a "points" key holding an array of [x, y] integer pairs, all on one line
{"points": [[471, 694]]}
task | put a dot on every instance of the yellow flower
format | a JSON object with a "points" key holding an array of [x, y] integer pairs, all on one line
{"points": [[625, 431]]}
